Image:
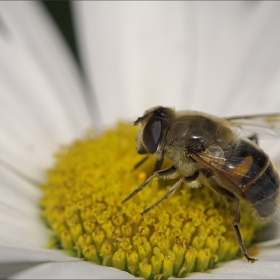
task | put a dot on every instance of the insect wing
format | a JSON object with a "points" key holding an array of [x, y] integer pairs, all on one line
{"points": [[265, 126], [232, 174]]}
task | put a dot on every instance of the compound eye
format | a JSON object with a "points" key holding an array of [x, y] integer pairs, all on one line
{"points": [[151, 134]]}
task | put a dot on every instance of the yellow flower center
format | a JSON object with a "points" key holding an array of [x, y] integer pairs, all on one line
{"points": [[190, 231]]}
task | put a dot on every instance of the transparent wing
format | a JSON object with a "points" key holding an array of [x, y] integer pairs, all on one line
{"points": [[237, 174], [264, 126]]}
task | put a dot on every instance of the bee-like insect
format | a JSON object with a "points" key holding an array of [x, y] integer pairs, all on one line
{"points": [[204, 147]]}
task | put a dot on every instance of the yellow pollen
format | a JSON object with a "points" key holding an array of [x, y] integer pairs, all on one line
{"points": [[190, 231]]}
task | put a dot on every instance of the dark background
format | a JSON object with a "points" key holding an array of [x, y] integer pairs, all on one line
{"points": [[61, 12]]}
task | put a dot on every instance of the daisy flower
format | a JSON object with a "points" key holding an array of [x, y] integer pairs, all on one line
{"points": [[218, 57]]}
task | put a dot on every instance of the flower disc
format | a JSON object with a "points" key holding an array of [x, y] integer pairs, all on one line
{"points": [[190, 231]]}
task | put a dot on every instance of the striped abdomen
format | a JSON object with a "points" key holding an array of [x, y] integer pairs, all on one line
{"points": [[259, 181]]}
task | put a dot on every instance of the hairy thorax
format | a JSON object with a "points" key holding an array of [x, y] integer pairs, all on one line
{"points": [[177, 153]]}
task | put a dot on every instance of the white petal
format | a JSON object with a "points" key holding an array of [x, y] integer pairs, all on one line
{"points": [[267, 267], [159, 55], [13, 260], [219, 57], [17, 255], [41, 93], [134, 53], [76, 270], [20, 220]]}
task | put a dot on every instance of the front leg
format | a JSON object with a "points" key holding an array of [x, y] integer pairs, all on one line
{"points": [[166, 174], [174, 188], [157, 166]]}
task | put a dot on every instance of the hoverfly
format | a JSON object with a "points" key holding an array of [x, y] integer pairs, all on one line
{"points": [[207, 147]]}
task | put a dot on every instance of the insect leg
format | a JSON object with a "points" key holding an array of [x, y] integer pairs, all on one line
{"points": [[236, 222], [175, 187], [254, 138], [158, 164], [207, 174], [140, 162], [236, 218], [161, 173], [192, 178], [157, 167]]}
